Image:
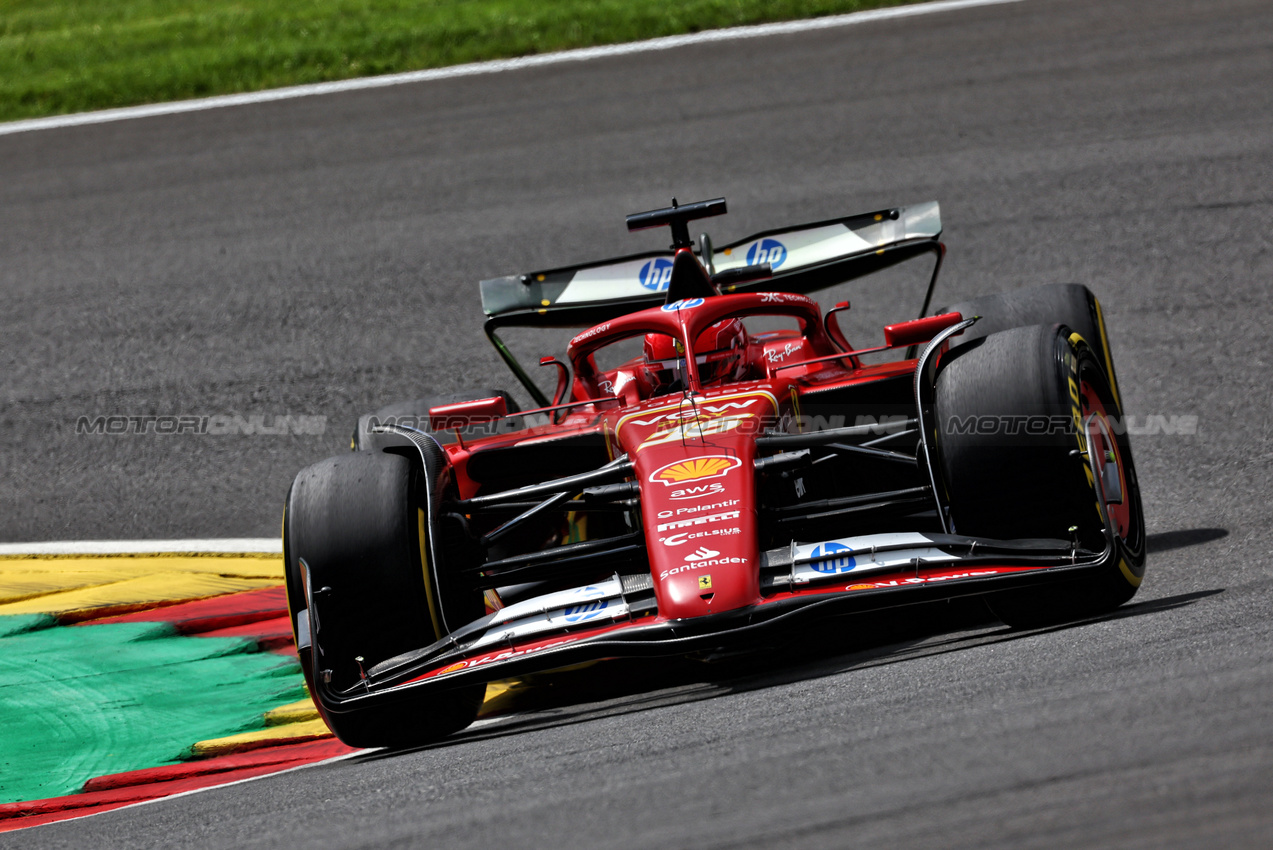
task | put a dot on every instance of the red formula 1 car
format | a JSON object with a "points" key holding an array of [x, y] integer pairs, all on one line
{"points": [[697, 483]]}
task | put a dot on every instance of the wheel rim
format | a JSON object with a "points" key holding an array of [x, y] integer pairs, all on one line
{"points": [[1109, 461]]}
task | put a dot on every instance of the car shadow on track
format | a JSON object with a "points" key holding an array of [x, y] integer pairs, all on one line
{"points": [[950, 643], [1165, 541], [619, 688]]}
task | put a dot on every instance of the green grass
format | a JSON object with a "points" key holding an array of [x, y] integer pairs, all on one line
{"points": [[59, 56]]}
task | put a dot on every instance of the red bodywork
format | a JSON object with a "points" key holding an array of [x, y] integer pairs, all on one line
{"points": [[693, 454], [695, 469]]}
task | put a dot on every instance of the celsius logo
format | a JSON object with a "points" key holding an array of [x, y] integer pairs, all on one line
{"points": [[769, 251], [683, 304], [702, 554], [585, 612], [656, 274], [836, 558]]}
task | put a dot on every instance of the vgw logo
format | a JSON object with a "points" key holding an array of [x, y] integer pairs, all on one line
{"points": [[769, 251], [834, 558], [656, 274]]}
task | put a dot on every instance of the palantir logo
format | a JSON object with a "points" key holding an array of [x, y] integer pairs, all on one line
{"points": [[769, 251], [833, 558], [656, 274]]}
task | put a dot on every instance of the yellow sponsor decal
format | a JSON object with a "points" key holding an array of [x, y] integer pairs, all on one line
{"points": [[694, 469], [704, 582]]}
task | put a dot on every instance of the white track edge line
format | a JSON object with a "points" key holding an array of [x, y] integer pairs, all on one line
{"points": [[231, 546], [583, 54]]}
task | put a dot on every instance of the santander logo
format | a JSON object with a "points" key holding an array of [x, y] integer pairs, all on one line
{"points": [[702, 554]]}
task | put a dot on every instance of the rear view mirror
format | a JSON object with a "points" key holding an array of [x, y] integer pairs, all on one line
{"points": [[918, 330], [465, 413]]}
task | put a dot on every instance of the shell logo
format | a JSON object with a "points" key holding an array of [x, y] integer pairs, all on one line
{"points": [[459, 665], [694, 469]]}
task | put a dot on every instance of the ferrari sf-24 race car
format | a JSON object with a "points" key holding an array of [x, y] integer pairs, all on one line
{"points": [[712, 481]]}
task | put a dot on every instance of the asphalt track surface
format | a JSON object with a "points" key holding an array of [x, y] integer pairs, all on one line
{"points": [[318, 257]]}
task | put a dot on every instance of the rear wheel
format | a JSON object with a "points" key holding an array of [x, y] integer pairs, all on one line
{"points": [[1071, 304], [1018, 414], [360, 522]]}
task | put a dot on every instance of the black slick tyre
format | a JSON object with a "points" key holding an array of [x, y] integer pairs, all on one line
{"points": [[1070, 304], [1017, 413], [359, 523]]}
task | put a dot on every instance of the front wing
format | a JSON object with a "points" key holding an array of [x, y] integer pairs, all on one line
{"points": [[615, 619]]}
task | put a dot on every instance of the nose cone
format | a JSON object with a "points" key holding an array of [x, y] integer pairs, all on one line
{"points": [[700, 528], [695, 467], [707, 580]]}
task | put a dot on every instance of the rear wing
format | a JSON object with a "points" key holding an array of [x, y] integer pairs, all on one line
{"points": [[805, 258]]}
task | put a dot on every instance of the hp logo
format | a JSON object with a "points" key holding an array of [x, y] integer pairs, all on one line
{"points": [[656, 274], [835, 558], [585, 612], [769, 251]]}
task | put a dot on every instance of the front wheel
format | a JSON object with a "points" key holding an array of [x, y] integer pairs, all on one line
{"points": [[1019, 415], [360, 524]]}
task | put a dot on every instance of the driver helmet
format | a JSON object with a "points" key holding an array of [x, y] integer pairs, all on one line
{"points": [[719, 353]]}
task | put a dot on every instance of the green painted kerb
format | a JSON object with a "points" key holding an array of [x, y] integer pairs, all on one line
{"points": [[83, 701]]}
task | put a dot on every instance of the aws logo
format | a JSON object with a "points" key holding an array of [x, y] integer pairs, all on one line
{"points": [[834, 558], [656, 274], [769, 251], [699, 492]]}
